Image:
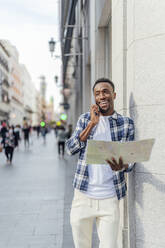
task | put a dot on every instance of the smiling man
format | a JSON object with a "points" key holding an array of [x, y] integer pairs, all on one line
{"points": [[99, 187]]}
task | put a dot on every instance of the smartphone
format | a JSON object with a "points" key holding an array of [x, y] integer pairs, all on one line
{"points": [[98, 109]]}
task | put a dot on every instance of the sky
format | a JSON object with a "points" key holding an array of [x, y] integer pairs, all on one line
{"points": [[29, 25]]}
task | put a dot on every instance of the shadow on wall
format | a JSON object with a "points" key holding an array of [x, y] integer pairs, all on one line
{"points": [[136, 189], [131, 180], [149, 178], [133, 113], [146, 177]]}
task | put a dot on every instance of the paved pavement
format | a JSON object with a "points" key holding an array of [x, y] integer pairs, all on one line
{"points": [[35, 197], [32, 197]]}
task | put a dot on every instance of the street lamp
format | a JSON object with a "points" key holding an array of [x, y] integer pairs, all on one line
{"points": [[56, 79], [52, 44]]}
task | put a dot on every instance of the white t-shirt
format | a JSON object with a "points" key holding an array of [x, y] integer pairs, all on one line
{"points": [[101, 184]]}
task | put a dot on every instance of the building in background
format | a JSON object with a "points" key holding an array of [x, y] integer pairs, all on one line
{"points": [[38, 107], [19, 100], [123, 40], [5, 82], [28, 96], [16, 91], [50, 115], [34, 105], [43, 97]]}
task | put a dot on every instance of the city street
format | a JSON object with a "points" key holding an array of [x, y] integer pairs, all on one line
{"points": [[35, 196], [90, 70]]}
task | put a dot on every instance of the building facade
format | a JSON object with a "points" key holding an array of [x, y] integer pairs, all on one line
{"points": [[28, 96], [123, 40], [50, 115], [5, 83], [38, 107], [16, 90], [43, 97]]}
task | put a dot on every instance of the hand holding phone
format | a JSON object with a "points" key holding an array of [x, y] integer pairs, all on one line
{"points": [[95, 114]]}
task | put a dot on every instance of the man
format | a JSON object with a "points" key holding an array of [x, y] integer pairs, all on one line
{"points": [[98, 188]]}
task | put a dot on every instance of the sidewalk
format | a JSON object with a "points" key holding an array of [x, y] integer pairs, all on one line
{"points": [[32, 197]]}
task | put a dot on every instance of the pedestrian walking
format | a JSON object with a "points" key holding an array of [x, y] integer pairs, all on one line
{"points": [[3, 132], [98, 188], [9, 145], [16, 132], [38, 131], [44, 132], [55, 130], [62, 136], [26, 133]]}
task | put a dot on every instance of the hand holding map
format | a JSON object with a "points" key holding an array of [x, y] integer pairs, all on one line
{"points": [[131, 152]]}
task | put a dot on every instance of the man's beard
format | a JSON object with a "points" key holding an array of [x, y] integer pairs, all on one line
{"points": [[104, 111]]}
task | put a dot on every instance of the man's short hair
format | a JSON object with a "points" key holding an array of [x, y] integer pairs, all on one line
{"points": [[104, 80]]}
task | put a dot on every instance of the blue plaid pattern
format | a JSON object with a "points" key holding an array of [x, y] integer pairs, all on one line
{"points": [[122, 129]]}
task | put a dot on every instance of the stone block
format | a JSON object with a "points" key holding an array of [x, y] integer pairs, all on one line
{"points": [[149, 18], [130, 23], [149, 214], [117, 78], [117, 30], [149, 73]]}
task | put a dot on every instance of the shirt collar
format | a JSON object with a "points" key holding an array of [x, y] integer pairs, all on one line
{"points": [[113, 116]]}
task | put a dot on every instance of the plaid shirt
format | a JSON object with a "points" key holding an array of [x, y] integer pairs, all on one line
{"points": [[121, 128]]}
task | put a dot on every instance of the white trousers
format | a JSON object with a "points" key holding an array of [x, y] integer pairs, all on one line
{"points": [[83, 212]]}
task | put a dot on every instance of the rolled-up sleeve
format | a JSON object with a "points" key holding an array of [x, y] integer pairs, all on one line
{"points": [[74, 145]]}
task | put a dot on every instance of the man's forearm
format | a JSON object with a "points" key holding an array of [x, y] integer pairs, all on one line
{"points": [[85, 133]]}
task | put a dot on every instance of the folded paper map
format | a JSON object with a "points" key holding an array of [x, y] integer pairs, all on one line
{"points": [[131, 152]]}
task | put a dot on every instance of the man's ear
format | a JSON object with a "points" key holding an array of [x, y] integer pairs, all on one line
{"points": [[114, 95]]}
